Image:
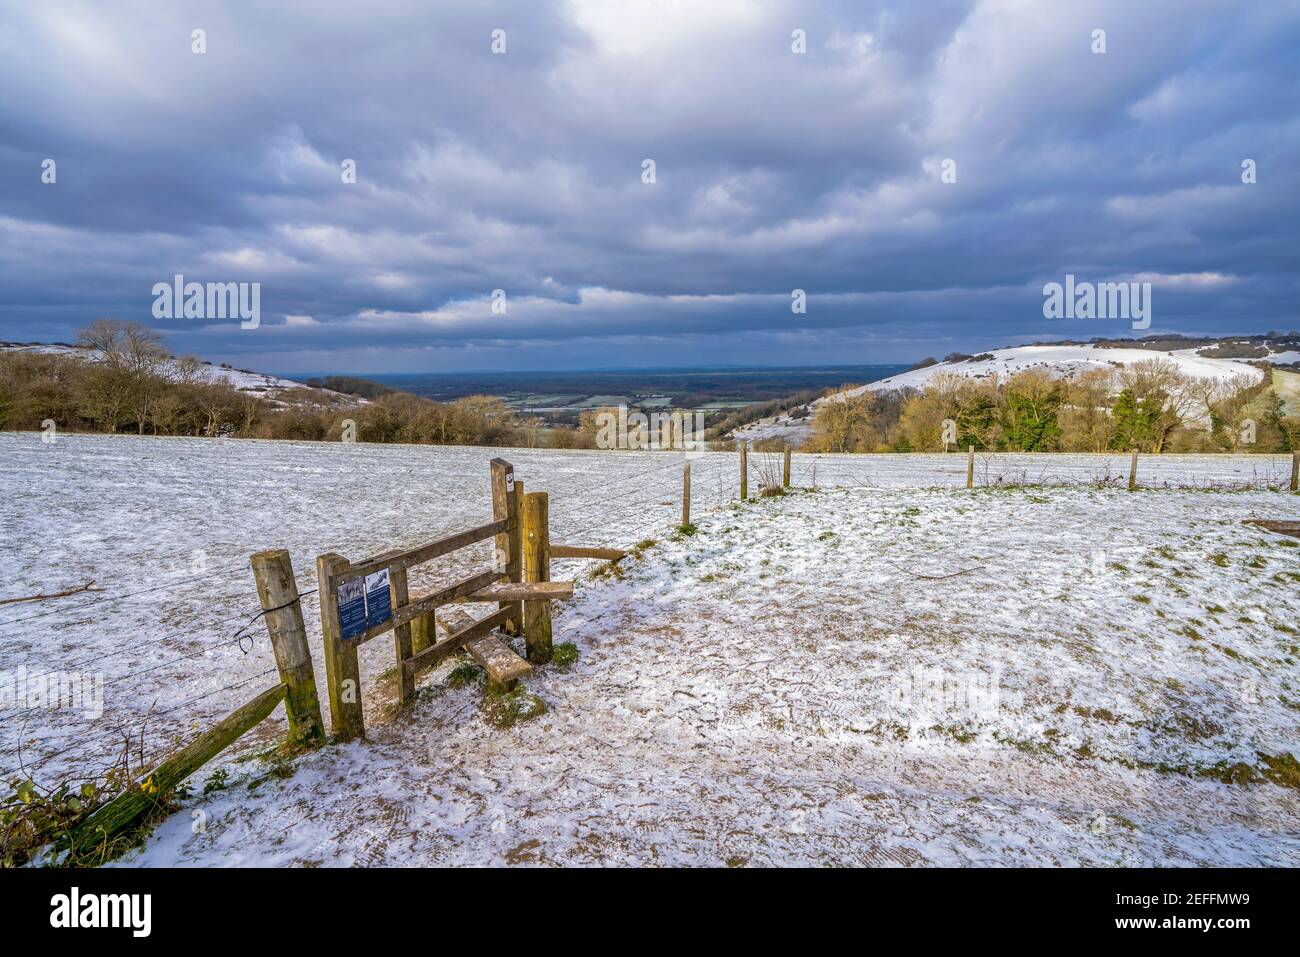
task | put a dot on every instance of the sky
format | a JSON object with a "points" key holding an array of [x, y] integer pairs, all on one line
{"points": [[921, 170]]}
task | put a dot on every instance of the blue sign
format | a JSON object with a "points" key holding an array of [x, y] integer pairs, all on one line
{"points": [[379, 601], [352, 609]]}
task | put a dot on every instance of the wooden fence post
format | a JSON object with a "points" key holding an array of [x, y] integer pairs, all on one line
{"points": [[342, 672], [686, 494], [508, 544], [537, 545], [424, 632], [278, 592], [403, 646], [744, 471], [1133, 472], [970, 468], [1295, 470], [785, 470], [520, 534]]}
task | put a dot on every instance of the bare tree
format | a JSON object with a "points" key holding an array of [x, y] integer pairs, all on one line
{"points": [[134, 370]]}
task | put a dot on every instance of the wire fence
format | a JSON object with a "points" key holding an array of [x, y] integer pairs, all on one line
{"points": [[56, 686]]}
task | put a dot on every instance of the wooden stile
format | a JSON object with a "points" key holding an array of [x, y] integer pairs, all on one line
{"points": [[518, 583]]}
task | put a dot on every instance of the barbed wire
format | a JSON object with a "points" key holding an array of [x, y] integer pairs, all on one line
{"points": [[107, 598], [238, 638], [46, 759]]}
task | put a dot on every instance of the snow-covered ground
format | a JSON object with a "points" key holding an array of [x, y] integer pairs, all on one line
{"points": [[889, 670], [1055, 360]]}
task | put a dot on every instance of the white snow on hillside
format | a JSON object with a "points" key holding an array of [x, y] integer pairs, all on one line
{"points": [[890, 670], [1064, 361], [1288, 357], [266, 385], [1058, 361]]}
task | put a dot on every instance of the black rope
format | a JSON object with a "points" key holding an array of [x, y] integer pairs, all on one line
{"points": [[238, 636]]}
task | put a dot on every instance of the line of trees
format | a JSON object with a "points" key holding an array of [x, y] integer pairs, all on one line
{"points": [[124, 379], [1148, 405]]}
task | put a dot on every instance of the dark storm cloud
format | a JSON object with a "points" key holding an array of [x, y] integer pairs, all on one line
{"points": [[522, 172]]}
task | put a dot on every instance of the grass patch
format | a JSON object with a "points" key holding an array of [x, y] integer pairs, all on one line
{"points": [[1240, 774], [1099, 714], [564, 654], [219, 781], [466, 674], [1281, 769], [607, 570], [40, 825], [505, 709]]}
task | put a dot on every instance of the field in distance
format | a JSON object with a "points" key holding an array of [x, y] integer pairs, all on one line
{"points": [[561, 395]]}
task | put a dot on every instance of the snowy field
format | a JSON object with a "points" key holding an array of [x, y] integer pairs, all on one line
{"points": [[890, 670]]}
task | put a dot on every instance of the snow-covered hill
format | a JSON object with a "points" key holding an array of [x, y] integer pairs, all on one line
{"points": [[795, 426], [267, 386]]}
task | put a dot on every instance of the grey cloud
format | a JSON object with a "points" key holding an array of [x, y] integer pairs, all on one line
{"points": [[522, 172]]}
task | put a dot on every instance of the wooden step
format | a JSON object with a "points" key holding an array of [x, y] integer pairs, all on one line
{"points": [[498, 659], [467, 631]]}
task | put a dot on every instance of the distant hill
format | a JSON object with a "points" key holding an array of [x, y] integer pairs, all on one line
{"points": [[1220, 358], [273, 388]]}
